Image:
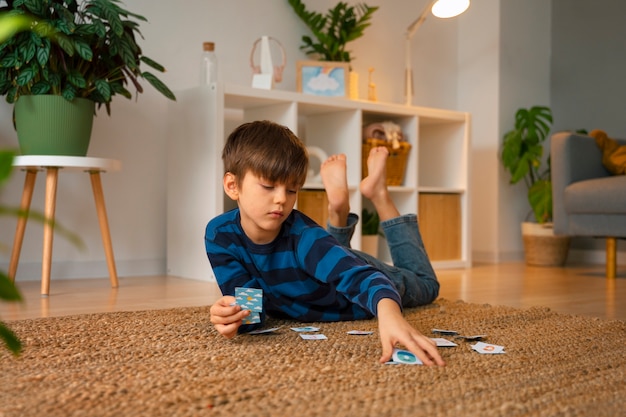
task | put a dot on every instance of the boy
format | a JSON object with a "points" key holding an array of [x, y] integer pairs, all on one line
{"points": [[307, 273]]}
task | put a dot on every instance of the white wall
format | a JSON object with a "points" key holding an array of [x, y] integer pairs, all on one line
{"points": [[489, 61], [479, 55], [136, 131]]}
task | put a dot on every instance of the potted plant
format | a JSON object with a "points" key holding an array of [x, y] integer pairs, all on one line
{"points": [[522, 155], [71, 53], [333, 31], [8, 291], [370, 230]]}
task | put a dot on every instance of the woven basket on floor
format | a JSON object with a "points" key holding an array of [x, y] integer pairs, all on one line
{"points": [[396, 163], [542, 247]]}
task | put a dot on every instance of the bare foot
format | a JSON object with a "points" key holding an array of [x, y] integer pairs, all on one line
{"points": [[376, 181], [374, 186], [335, 180]]}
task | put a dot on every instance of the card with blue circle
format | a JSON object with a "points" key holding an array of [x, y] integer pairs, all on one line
{"points": [[405, 357]]}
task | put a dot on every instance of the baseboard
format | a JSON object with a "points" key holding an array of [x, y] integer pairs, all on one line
{"points": [[31, 271], [497, 257], [574, 256]]}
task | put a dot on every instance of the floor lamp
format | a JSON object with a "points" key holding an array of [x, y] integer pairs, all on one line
{"points": [[440, 8]]}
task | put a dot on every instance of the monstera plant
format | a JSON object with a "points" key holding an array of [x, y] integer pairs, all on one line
{"points": [[522, 156]]}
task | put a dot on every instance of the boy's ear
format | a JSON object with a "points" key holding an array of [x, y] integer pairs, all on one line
{"points": [[230, 186]]}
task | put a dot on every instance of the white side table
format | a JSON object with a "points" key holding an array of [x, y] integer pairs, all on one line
{"points": [[52, 164]]}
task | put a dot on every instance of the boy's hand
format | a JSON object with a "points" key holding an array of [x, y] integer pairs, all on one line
{"points": [[226, 317], [394, 329]]}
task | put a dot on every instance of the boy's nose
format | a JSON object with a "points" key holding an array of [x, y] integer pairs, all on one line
{"points": [[280, 196]]}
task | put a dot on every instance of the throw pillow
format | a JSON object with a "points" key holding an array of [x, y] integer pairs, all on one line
{"points": [[613, 155]]}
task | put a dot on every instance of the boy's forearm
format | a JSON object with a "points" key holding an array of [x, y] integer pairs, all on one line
{"points": [[387, 307]]}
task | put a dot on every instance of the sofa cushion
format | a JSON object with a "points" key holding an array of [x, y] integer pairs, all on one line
{"points": [[598, 195]]}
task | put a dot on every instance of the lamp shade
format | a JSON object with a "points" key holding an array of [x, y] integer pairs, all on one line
{"points": [[449, 8]]}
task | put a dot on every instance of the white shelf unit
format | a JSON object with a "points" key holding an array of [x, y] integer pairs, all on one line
{"points": [[203, 117]]}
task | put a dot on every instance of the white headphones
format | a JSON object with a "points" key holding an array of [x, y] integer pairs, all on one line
{"points": [[278, 69]]}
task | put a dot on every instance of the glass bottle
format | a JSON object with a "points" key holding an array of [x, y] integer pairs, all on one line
{"points": [[208, 70]]}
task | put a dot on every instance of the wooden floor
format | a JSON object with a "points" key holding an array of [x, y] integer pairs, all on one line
{"points": [[581, 290]]}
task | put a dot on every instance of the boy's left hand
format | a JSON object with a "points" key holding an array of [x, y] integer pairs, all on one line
{"points": [[394, 329]]}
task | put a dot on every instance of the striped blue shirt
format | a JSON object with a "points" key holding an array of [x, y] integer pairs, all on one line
{"points": [[305, 274]]}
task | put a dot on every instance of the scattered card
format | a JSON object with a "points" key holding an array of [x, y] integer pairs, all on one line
{"points": [[471, 338], [359, 332], [318, 336], [446, 332], [305, 329], [264, 331], [487, 348], [441, 342], [405, 357]]}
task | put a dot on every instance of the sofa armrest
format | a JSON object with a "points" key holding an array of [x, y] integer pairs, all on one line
{"points": [[574, 157]]}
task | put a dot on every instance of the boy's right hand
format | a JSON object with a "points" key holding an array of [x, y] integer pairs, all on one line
{"points": [[227, 317]]}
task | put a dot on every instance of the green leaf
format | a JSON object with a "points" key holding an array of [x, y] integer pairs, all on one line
{"points": [[36, 7], [111, 15], [43, 53], [10, 24], [66, 44], [28, 51], [83, 49], [76, 79], [69, 93], [152, 64], [103, 89], [540, 199], [159, 85], [127, 55], [41, 87], [10, 61], [25, 76], [8, 290], [6, 165], [11, 341]]}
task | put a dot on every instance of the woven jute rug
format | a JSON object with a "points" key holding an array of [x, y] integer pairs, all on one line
{"points": [[173, 363]]}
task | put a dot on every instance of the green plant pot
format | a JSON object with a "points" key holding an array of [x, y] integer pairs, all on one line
{"points": [[52, 125]]}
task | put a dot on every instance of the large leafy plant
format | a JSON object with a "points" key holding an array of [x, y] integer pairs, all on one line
{"points": [[332, 31], [74, 49], [8, 291], [522, 155]]}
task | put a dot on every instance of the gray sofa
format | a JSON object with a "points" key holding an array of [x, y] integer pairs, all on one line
{"points": [[587, 199]]}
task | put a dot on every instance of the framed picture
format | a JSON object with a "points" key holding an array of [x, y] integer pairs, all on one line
{"points": [[323, 78]]}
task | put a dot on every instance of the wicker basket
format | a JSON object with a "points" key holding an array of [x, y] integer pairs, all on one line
{"points": [[542, 247], [396, 164]]}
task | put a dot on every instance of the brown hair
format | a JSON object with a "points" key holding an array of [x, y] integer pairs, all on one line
{"points": [[268, 150]]}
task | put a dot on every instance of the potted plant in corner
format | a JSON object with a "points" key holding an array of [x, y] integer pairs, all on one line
{"points": [[370, 231], [71, 55], [333, 31], [522, 156]]}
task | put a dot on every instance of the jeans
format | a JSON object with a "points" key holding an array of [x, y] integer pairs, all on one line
{"points": [[411, 272]]}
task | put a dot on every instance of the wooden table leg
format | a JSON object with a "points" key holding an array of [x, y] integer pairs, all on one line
{"points": [[27, 196], [52, 177], [98, 195], [611, 257]]}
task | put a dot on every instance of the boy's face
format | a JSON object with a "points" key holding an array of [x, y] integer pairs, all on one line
{"points": [[263, 205]]}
